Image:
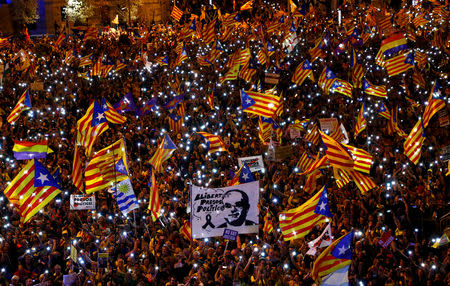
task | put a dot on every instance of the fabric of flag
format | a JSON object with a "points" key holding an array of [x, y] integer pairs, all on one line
{"points": [[119, 65], [85, 61], [91, 33], [412, 147], [147, 107], [443, 240], [125, 104], [242, 56], [363, 182], [357, 75], [77, 175], [209, 32], [419, 21], [260, 104], [26, 150], [247, 72], [231, 74], [262, 56], [162, 60], [181, 57], [300, 125], [125, 197], [268, 224], [176, 13], [337, 278], [304, 162], [383, 111], [265, 129], [60, 39], [384, 23], [96, 68], [311, 181], [164, 151], [337, 135], [213, 142], [326, 79], [435, 103], [4, 43], [316, 51], [31, 190], [418, 79], [337, 155], [69, 57], [420, 58], [400, 64], [90, 126], [312, 135], [247, 6], [154, 203], [302, 72], [175, 122], [243, 175], [375, 90], [298, 222], [362, 159], [342, 178], [334, 257], [393, 44], [173, 103], [393, 125], [185, 230], [24, 103], [107, 167], [111, 114], [210, 98], [361, 123], [343, 87]]}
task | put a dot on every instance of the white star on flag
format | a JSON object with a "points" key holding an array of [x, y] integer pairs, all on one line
{"points": [[42, 178], [245, 176], [342, 250], [322, 206], [100, 116]]}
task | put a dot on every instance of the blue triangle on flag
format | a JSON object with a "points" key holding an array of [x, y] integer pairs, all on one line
{"points": [[168, 143], [323, 207], [247, 101], [42, 177], [343, 249], [121, 168]]}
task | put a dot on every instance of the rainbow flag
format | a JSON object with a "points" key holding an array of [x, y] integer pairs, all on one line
{"points": [[26, 150]]}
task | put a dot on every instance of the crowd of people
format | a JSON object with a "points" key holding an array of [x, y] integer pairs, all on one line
{"points": [[410, 201]]}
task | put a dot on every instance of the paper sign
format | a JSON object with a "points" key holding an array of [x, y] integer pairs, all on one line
{"points": [[230, 234], [82, 202], [255, 163], [329, 124]]}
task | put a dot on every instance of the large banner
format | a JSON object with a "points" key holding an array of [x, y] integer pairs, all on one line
{"points": [[255, 163], [235, 207]]}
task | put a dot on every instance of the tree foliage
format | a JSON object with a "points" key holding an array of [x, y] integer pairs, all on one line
{"points": [[24, 11], [79, 10]]}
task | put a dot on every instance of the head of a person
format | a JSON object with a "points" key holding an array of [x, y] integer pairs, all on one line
{"points": [[236, 206]]}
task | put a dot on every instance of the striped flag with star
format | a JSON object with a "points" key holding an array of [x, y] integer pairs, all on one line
{"points": [[111, 114], [337, 155], [209, 33], [213, 142], [23, 104], [265, 129], [303, 71], [383, 111], [393, 127], [175, 122], [243, 175], [376, 90], [326, 79], [90, 126], [342, 178], [400, 64], [334, 257], [311, 180], [261, 104], [435, 103], [343, 87], [298, 222], [164, 151], [361, 123], [247, 71], [107, 167], [31, 190], [357, 75], [412, 147]]}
